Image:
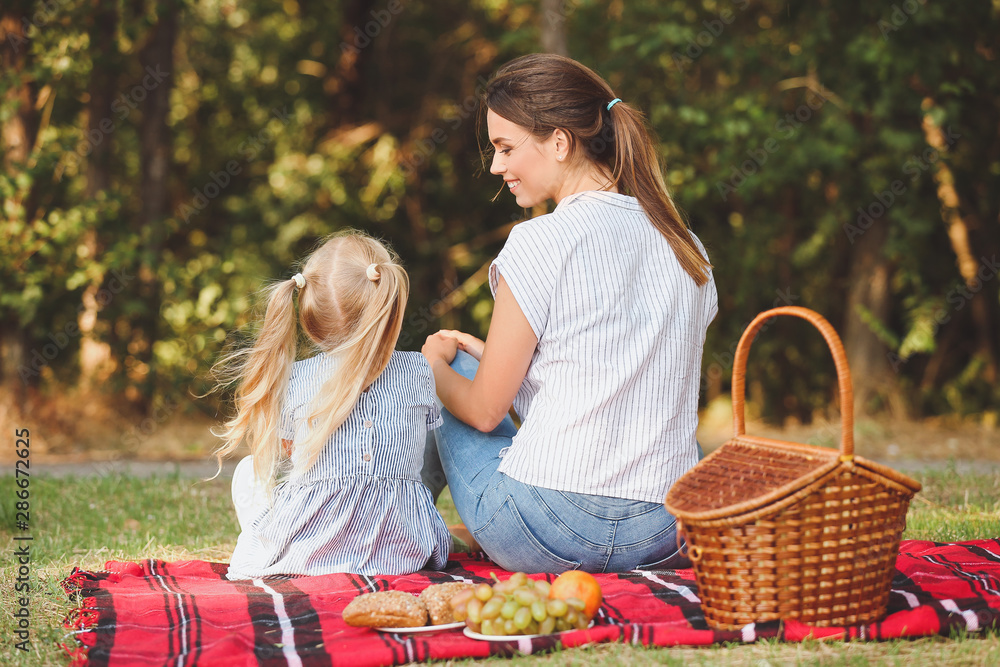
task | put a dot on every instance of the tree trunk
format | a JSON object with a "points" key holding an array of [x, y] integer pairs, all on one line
{"points": [[345, 84], [17, 136], [961, 230], [553, 28], [19, 129], [157, 60], [867, 356], [94, 354], [12, 358]]}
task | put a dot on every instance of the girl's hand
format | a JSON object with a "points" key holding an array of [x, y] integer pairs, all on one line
{"points": [[466, 342], [439, 347]]}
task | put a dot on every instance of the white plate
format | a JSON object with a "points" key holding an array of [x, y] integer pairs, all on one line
{"points": [[422, 628], [509, 638]]}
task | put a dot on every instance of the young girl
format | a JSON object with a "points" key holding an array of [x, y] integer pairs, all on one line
{"points": [[336, 440]]}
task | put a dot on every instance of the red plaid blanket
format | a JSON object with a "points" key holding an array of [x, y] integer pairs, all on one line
{"points": [[187, 613]]}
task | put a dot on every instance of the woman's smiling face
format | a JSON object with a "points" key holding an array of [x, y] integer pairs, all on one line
{"points": [[529, 167]]}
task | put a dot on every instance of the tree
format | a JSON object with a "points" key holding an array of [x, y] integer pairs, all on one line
{"points": [[94, 353], [161, 162]]}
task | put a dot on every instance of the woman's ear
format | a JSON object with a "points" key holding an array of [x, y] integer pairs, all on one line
{"points": [[563, 143]]}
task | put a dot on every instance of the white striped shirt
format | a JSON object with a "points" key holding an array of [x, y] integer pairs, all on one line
{"points": [[361, 507], [609, 405]]}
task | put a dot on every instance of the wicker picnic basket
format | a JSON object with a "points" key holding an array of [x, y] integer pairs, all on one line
{"points": [[780, 530]]}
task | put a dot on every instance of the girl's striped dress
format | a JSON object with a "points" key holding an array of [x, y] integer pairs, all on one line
{"points": [[361, 508]]}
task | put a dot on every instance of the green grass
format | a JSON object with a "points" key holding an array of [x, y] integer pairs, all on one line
{"points": [[952, 507], [85, 522]]}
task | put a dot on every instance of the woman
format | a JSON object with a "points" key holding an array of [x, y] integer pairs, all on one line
{"points": [[596, 339]]}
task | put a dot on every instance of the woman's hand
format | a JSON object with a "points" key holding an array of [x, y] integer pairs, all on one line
{"points": [[439, 347], [466, 342], [483, 402]]}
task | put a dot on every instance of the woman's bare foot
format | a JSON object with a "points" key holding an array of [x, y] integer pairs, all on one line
{"points": [[461, 532]]}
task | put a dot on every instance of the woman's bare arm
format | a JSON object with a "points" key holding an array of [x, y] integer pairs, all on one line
{"points": [[510, 344]]}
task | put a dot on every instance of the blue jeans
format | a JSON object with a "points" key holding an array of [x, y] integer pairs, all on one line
{"points": [[534, 529]]}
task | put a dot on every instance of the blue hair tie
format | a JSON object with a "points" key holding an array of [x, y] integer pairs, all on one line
{"points": [[614, 102]]}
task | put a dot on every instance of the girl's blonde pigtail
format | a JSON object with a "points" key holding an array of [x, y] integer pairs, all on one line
{"points": [[262, 373]]}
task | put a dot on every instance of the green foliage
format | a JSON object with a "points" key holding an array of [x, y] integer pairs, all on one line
{"points": [[778, 121]]}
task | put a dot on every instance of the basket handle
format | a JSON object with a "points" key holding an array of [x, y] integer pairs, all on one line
{"points": [[839, 360]]}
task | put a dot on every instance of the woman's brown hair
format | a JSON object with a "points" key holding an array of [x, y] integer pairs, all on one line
{"points": [[544, 91]]}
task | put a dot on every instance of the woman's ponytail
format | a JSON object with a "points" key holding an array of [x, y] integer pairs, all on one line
{"points": [[637, 172]]}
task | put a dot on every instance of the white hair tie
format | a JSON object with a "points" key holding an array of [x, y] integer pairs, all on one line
{"points": [[373, 273], [300, 280]]}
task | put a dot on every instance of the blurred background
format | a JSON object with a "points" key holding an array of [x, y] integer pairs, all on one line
{"points": [[163, 159]]}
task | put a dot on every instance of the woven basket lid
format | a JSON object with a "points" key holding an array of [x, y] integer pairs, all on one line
{"points": [[747, 473]]}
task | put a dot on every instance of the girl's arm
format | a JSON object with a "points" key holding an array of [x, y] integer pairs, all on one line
{"points": [[466, 342], [482, 403]]}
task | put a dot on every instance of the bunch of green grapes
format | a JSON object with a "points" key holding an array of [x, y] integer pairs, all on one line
{"points": [[517, 606]]}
